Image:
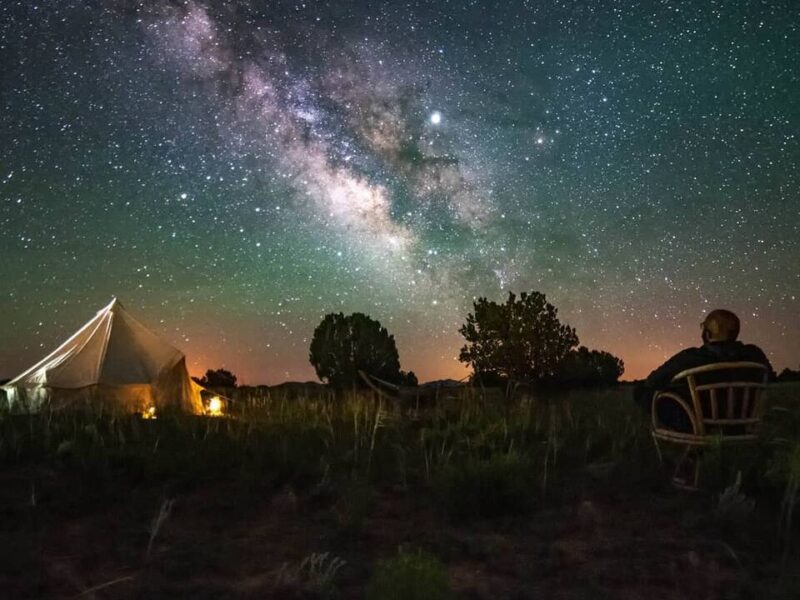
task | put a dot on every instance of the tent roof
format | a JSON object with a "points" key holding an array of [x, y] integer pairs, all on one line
{"points": [[113, 348]]}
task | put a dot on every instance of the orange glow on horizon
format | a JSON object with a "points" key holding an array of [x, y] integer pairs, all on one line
{"points": [[427, 366], [430, 362]]}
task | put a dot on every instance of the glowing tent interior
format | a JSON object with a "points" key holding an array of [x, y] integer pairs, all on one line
{"points": [[113, 362]]}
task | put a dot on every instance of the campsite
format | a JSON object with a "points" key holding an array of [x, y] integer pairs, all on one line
{"points": [[297, 491], [383, 300]]}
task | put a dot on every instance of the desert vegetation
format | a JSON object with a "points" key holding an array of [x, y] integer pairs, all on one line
{"points": [[304, 492]]}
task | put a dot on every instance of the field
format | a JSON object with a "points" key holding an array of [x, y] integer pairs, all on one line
{"points": [[298, 494]]}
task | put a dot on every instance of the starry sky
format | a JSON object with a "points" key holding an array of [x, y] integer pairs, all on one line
{"points": [[233, 171]]}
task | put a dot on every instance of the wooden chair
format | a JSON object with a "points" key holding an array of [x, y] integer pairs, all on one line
{"points": [[726, 405]]}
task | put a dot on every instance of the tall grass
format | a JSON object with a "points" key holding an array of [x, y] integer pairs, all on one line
{"points": [[273, 439], [474, 454]]}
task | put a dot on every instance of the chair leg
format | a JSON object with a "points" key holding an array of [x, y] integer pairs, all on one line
{"points": [[679, 463], [658, 450], [678, 481]]}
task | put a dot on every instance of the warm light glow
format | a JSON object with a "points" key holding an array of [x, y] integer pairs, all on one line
{"points": [[149, 413], [215, 406]]}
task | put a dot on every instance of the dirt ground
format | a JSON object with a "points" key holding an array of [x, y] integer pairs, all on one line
{"points": [[69, 538]]}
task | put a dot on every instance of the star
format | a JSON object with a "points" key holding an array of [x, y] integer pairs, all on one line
{"points": [[382, 175]]}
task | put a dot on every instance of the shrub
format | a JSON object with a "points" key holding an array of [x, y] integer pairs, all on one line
{"points": [[344, 345], [217, 378], [410, 575], [499, 486], [589, 368]]}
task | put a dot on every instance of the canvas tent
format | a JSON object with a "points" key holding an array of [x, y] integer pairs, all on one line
{"points": [[111, 362]]}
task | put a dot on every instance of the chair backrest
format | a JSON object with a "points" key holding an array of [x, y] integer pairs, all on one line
{"points": [[728, 398]]}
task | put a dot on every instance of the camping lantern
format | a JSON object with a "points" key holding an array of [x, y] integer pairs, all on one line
{"points": [[149, 413], [215, 406]]}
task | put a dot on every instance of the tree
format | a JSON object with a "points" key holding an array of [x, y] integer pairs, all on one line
{"points": [[522, 339], [609, 366], [589, 368], [788, 375], [343, 345], [217, 378], [488, 379], [409, 379]]}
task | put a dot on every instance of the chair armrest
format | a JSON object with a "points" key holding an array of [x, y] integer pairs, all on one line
{"points": [[672, 397]]}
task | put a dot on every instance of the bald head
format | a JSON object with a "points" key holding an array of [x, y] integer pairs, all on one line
{"points": [[720, 326]]}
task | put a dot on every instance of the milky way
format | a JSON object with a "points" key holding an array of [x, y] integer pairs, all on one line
{"points": [[235, 172]]}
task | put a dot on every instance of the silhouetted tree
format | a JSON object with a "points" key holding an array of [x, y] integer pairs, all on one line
{"points": [[343, 345], [488, 379], [788, 375], [610, 367], [589, 368], [217, 378], [409, 379], [521, 339]]}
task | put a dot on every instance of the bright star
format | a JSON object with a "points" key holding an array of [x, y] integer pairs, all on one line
{"points": [[436, 117]]}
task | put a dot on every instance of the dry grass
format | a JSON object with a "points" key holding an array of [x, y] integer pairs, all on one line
{"points": [[523, 491]]}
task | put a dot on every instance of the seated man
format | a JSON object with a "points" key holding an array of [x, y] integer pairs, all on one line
{"points": [[720, 330]]}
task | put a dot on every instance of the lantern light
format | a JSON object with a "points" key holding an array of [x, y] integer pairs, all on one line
{"points": [[215, 406]]}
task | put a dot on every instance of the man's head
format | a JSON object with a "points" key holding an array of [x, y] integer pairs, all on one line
{"points": [[720, 326]]}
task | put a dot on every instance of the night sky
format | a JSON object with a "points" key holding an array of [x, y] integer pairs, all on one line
{"points": [[233, 171]]}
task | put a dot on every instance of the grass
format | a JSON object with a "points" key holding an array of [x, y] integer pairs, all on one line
{"points": [[484, 488], [409, 575], [323, 487]]}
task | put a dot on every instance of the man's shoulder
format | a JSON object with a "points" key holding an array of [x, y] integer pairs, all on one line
{"points": [[751, 350], [740, 352], [752, 347], [685, 359], [689, 353]]}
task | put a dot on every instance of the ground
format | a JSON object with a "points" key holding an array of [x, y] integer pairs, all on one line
{"points": [[605, 530]]}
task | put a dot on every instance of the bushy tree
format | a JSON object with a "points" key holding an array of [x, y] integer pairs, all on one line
{"points": [[343, 345], [490, 379], [409, 379], [217, 378], [521, 339], [589, 368], [788, 375]]}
